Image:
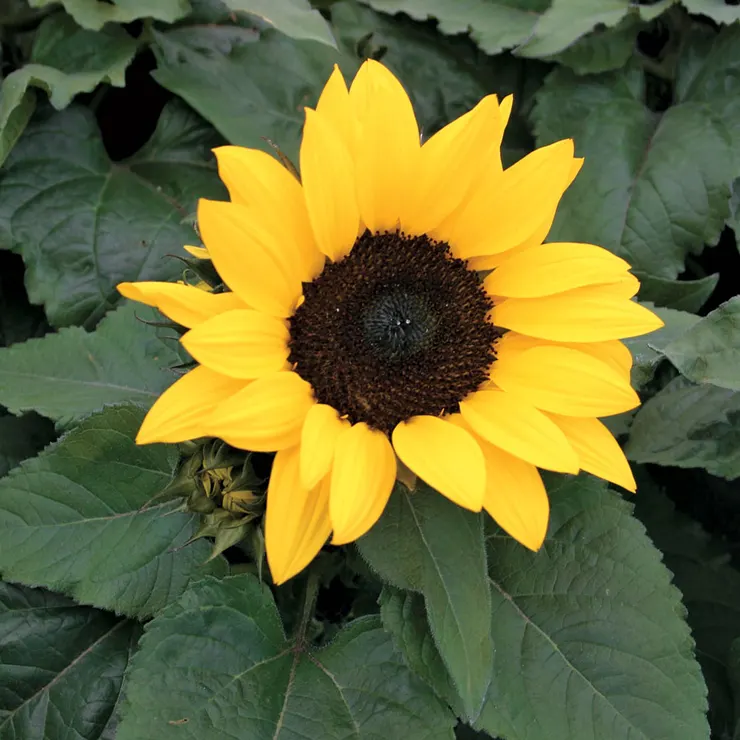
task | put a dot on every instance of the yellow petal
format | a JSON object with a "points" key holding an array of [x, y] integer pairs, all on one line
{"points": [[515, 496], [591, 314], [248, 259], [362, 479], [489, 262], [319, 435], [563, 380], [597, 449], [184, 304], [612, 352], [200, 253], [450, 163], [275, 202], [507, 212], [265, 416], [297, 518], [444, 455], [520, 429], [554, 268], [242, 344], [335, 108], [183, 410], [329, 187], [388, 149]]}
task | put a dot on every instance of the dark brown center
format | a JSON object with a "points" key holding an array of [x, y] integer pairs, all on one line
{"points": [[396, 329]]}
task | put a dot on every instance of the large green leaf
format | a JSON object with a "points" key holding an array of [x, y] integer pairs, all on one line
{"points": [[647, 350], [603, 49], [444, 547], [83, 223], [72, 373], [538, 28], [494, 25], [710, 351], [565, 21], [67, 60], [654, 188], [682, 295], [223, 668], [82, 518], [17, 104], [689, 426], [590, 636], [250, 86], [22, 437], [61, 666], [710, 588], [295, 18], [95, 14], [718, 10], [708, 72], [404, 616]]}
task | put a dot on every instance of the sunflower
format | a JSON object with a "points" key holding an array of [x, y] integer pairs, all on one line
{"points": [[396, 310]]}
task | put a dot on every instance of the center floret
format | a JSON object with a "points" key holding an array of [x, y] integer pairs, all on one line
{"points": [[396, 329], [398, 323]]}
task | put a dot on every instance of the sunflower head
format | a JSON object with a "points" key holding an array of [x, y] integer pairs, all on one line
{"points": [[397, 310]]}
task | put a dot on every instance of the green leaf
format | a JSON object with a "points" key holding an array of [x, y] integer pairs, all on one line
{"points": [[177, 159], [710, 588], [70, 374], [94, 14], [295, 18], [654, 188], [444, 545], [708, 72], [682, 295], [61, 665], [223, 668], [718, 10], [83, 223], [602, 49], [250, 86], [710, 351], [388, 549], [22, 437], [494, 25], [647, 350], [689, 426], [565, 21], [81, 518], [405, 617], [67, 60], [17, 104], [590, 635]]}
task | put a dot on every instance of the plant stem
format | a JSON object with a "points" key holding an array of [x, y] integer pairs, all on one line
{"points": [[309, 602]]}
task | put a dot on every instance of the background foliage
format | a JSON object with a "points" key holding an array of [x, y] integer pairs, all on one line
{"points": [[114, 620]]}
